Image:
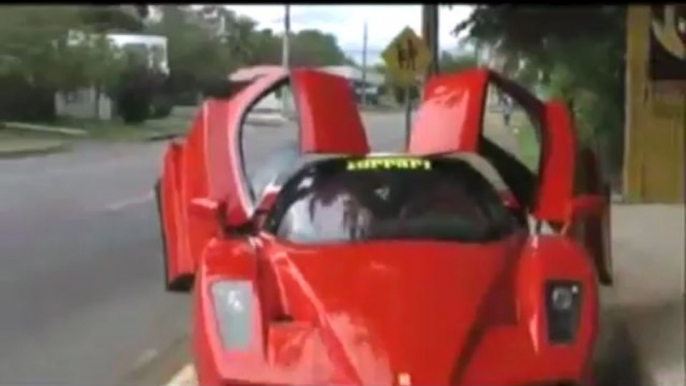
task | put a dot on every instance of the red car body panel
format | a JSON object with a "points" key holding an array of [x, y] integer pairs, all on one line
{"points": [[449, 117], [322, 102], [382, 312], [450, 121]]}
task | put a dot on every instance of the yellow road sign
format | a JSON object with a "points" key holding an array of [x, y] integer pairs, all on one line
{"points": [[406, 57]]}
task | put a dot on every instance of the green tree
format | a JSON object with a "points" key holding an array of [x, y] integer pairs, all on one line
{"points": [[134, 92], [195, 50], [56, 47], [576, 53], [312, 47], [111, 19], [456, 63], [94, 62], [31, 39], [267, 48], [45, 49]]}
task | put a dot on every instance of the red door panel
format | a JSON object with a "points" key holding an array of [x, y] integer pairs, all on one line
{"points": [[329, 119], [171, 220], [223, 120], [194, 183], [557, 164], [449, 117], [594, 231]]}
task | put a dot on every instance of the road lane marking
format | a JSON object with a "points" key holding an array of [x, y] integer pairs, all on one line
{"points": [[119, 205], [144, 359], [185, 377]]}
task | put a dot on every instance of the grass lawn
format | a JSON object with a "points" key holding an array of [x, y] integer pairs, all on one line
{"points": [[518, 139], [177, 123], [19, 143], [529, 146], [118, 130], [9, 134]]}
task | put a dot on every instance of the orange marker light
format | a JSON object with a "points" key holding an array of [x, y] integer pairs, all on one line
{"points": [[404, 379]]}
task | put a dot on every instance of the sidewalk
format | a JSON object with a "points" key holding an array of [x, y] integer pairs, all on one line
{"points": [[648, 257]]}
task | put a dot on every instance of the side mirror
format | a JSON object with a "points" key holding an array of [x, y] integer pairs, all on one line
{"points": [[205, 208], [586, 205], [509, 201], [213, 210]]}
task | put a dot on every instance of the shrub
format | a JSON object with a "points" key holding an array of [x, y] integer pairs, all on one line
{"points": [[162, 106], [20, 100], [133, 93], [142, 93]]}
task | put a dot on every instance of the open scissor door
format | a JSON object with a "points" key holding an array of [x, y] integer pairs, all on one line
{"points": [[326, 120], [530, 143], [462, 113], [594, 230], [206, 190]]}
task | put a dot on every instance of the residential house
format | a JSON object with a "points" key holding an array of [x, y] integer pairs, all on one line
{"points": [[82, 103]]}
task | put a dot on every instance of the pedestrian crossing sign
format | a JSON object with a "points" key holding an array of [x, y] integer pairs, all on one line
{"points": [[406, 57]]}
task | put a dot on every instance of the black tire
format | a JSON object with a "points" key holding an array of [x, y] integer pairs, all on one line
{"points": [[183, 283], [605, 269]]}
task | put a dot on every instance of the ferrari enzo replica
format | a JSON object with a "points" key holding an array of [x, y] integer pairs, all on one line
{"points": [[450, 263]]}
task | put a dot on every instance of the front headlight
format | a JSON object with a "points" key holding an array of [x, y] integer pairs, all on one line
{"points": [[233, 305], [563, 304]]}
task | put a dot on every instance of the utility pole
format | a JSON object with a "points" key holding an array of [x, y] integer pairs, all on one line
{"points": [[364, 65], [285, 56], [286, 33], [430, 35]]}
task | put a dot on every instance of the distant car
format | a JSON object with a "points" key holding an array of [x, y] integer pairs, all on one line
{"points": [[335, 265], [371, 95]]}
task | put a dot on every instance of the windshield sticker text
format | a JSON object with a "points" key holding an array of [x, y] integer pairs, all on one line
{"points": [[389, 164]]}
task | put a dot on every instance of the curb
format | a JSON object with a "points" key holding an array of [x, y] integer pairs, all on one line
{"points": [[36, 151], [162, 137], [266, 121], [44, 128]]}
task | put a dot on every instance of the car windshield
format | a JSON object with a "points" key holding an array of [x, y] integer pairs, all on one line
{"points": [[390, 198]]}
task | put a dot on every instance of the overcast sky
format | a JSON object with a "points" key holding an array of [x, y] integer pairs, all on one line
{"points": [[346, 22]]}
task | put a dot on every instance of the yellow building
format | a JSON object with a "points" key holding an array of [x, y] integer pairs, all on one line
{"points": [[655, 114]]}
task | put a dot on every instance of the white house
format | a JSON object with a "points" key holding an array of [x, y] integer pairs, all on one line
{"points": [[82, 103]]}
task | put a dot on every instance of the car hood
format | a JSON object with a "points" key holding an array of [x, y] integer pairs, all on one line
{"points": [[389, 312]]}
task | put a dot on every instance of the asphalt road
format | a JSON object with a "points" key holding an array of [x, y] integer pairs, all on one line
{"points": [[81, 293]]}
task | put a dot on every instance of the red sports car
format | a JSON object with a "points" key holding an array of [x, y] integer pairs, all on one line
{"points": [[452, 263]]}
